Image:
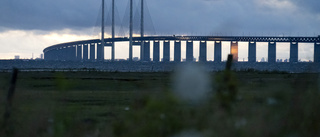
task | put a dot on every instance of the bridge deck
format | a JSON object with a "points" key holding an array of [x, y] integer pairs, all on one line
{"points": [[193, 38]]}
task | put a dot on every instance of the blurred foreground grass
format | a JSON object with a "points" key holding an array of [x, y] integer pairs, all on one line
{"points": [[104, 104]]}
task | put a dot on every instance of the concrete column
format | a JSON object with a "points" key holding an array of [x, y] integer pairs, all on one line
{"points": [[73, 51], [146, 51], [293, 51], [234, 50], [166, 51], [85, 52], [60, 54], [55, 54], [130, 49], [156, 51], [113, 52], [46, 55], [272, 52], [217, 51], [99, 48], [189, 51], [252, 52], [142, 51], [203, 51], [79, 52], [49, 54], [177, 51], [64, 53], [92, 52], [316, 52], [70, 53]]}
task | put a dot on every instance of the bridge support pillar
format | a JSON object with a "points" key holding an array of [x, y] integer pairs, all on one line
{"points": [[156, 51], [146, 51], [92, 52], [65, 53], [99, 48], [252, 52], [316, 52], [177, 51], [68, 53], [217, 51], [71, 53], [74, 52], [61, 54], [189, 51], [79, 52], [166, 51], [130, 50], [52, 54], [85, 52], [203, 51], [293, 51], [142, 51], [272, 52], [234, 50], [113, 52]]}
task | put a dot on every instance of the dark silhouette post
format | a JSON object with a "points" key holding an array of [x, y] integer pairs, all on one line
{"points": [[229, 62], [10, 96]]}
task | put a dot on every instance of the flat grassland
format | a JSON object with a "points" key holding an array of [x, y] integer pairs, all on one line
{"points": [[104, 104]]}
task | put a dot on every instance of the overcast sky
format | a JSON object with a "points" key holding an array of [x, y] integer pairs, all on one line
{"points": [[28, 26]]}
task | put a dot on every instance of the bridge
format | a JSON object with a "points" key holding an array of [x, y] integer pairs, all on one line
{"points": [[93, 50], [80, 50]]}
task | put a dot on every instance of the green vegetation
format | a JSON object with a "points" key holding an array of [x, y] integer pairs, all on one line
{"points": [[142, 104]]}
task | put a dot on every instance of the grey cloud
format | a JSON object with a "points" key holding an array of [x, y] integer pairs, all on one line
{"points": [[309, 5], [169, 16]]}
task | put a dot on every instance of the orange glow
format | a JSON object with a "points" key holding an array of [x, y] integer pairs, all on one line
{"points": [[234, 51]]}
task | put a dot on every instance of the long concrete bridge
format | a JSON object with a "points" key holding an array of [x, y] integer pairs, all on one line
{"points": [[88, 50]]}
